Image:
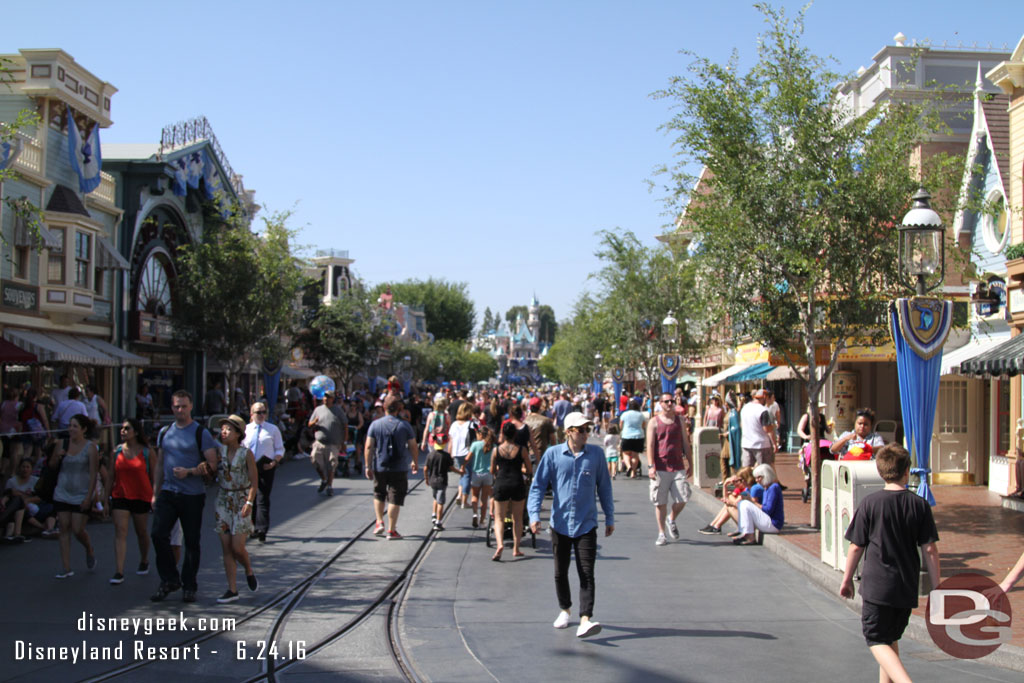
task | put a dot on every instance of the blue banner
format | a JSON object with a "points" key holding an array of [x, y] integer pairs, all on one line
{"points": [[84, 157], [919, 328], [9, 152], [669, 365]]}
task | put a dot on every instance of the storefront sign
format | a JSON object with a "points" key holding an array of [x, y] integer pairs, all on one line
{"points": [[22, 297]]}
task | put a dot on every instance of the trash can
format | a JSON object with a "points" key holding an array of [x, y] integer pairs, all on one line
{"points": [[829, 477], [707, 463], [855, 479]]}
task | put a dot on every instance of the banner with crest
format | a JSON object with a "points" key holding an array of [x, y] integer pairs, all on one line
{"points": [[84, 156], [669, 364], [919, 327], [618, 377]]}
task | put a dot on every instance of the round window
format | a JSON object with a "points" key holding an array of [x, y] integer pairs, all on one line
{"points": [[995, 222]]}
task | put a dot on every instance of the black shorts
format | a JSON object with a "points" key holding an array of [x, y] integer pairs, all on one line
{"points": [[504, 491], [632, 445], [136, 507], [391, 486], [882, 624], [59, 506]]}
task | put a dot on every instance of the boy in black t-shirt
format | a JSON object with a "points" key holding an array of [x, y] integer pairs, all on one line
{"points": [[439, 464], [890, 524]]}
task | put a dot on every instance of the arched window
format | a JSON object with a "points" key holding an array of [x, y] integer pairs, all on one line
{"points": [[154, 286]]}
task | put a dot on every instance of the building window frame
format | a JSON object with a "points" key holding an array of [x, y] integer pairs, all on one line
{"points": [[56, 270], [83, 259], [994, 225]]}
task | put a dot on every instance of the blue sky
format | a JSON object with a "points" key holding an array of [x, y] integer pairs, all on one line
{"points": [[483, 142]]}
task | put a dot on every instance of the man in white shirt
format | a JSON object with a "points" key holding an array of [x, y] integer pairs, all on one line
{"points": [[267, 446], [68, 408], [60, 394], [759, 442]]}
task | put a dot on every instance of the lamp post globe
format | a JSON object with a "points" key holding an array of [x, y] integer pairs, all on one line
{"points": [[922, 245]]}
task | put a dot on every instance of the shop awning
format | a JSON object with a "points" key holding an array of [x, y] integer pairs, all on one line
{"points": [[11, 353], [752, 374], [1006, 358], [951, 361], [51, 347], [719, 377], [23, 237], [120, 354], [782, 373], [108, 257], [296, 372]]}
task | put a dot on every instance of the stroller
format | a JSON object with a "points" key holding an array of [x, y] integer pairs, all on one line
{"points": [[805, 464]]}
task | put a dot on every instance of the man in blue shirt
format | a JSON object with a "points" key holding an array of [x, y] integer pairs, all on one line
{"points": [[578, 475], [392, 450], [179, 494]]}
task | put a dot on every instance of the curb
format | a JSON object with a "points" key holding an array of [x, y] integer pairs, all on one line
{"points": [[1006, 657]]}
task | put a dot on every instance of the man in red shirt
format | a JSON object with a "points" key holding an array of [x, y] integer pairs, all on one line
{"points": [[668, 457]]}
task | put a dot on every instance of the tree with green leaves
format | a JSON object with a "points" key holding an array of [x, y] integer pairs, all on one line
{"points": [[795, 215], [10, 148], [515, 312], [343, 337], [548, 325], [447, 306], [640, 285], [235, 293], [459, 363], [488, 323]]}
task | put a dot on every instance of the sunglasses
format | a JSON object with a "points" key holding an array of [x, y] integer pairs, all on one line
{"points": [[582, 430], [259, 412], [125, 428], [667, 400]]}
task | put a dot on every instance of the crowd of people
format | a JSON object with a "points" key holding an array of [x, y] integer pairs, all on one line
{"points": [[508, 450]]}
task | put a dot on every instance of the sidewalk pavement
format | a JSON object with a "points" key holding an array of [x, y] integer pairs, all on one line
{"points": [[976, 534]]}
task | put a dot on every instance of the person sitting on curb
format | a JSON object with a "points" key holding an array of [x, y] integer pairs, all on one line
{"points": [[767, 517], [734, 488]]}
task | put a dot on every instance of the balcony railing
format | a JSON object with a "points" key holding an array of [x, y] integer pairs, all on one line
{"points": [[31, 158], [105, 190]]}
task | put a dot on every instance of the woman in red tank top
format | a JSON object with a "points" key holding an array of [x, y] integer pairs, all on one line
{"points": [[131, 495]]}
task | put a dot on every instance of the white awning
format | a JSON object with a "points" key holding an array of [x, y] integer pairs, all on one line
{"points": [[951, 361], [108, 257], [59, 348], [120, 354], [784, 372], [297, 372], [719, 377]]}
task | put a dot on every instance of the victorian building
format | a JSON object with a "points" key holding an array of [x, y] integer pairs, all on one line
{"points": [[62, 273]]}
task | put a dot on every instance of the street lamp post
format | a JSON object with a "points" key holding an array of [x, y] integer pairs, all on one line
{"points": [[922, 245]]}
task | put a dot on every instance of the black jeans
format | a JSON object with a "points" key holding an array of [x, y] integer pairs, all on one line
{"points": [[586, 553], [264, 483], [188, 509]]}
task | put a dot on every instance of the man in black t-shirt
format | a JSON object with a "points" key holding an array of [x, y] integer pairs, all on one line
{"points": [[887, 529]]}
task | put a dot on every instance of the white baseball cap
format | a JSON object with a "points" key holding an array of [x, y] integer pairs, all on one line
{"points": [[576, 419]]}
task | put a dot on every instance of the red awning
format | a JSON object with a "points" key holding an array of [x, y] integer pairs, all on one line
{"points": [[9, 353]]}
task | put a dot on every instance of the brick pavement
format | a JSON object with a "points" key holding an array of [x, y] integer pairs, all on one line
{"points": [[975, 533]]}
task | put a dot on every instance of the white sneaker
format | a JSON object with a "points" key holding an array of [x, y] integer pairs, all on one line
{"points": [[562, 621], [588, 628], [673, 530], [661, 540]]}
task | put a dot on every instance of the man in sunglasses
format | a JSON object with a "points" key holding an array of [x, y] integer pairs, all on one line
{"points": [[578, 475], [668, 466], [264, 440]]}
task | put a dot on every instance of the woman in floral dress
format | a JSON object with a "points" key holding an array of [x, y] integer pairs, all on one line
{"points": [[236, 475]]}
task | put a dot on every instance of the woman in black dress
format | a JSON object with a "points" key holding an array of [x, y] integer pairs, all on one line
{"points": [[510, 467]]}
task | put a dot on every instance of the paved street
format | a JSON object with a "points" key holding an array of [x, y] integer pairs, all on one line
{"points": [[697, 609]]}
